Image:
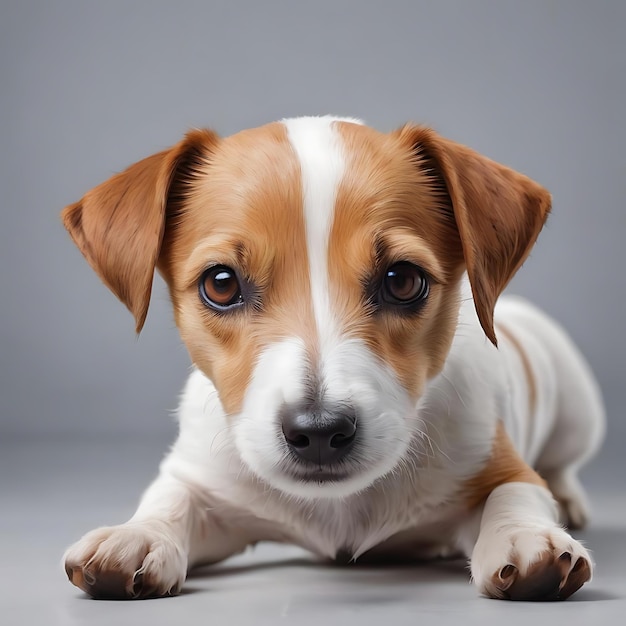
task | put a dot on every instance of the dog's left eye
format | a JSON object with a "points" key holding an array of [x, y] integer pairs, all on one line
{"points": [[404, 284], [220, 289]]}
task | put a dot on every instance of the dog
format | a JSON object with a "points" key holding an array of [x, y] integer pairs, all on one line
{"points": [[359, 388]]}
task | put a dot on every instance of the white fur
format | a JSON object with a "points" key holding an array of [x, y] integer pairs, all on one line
{"points": [[279, 378], [319, 150], [223, 485]]}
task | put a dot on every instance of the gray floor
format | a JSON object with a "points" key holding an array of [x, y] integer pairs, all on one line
{"points": [[52, 492]]}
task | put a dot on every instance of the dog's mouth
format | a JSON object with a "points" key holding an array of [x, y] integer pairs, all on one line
{"points": [[308, 480], [314, 474], [320, 476]]}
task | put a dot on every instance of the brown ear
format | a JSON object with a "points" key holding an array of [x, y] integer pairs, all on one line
{"points": [[119, 225], [498, 212]]}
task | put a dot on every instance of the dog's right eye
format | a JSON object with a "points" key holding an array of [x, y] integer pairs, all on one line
{"points": [[404, 285], [220, 288]]}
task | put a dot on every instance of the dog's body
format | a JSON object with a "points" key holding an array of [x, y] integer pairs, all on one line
{"points": [[346, 398]]}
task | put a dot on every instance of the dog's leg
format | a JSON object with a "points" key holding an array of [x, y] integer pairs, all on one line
{"points": [[518, 549], [522, 553], [149, 555]]}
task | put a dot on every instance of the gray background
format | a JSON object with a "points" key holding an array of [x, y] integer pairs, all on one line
{"points": [[86, 88]]}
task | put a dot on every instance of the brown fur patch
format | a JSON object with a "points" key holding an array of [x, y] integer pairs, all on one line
{"points": [[498, 213], [243, 209], [387, 211], [504, 466]]}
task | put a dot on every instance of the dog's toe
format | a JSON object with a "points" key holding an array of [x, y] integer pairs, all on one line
{"points": [[550, 578], [538, 565]]}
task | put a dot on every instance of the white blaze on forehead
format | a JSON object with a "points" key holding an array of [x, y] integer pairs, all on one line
{"points": [[318, 145]]}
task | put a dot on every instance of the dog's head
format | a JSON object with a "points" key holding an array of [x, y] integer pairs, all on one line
{"points": [[314, 267]]}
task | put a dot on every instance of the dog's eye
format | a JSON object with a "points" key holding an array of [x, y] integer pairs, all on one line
{"points": [[220, 288], [404, 284]]}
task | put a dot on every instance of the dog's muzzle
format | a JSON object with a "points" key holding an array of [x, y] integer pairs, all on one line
{"points": [[318, 437]]}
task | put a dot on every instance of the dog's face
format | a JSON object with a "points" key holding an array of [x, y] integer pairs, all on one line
{"points": [[314, 269]]}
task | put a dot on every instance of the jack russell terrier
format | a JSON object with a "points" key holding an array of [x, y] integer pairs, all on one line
{"points": [[357, 389]]}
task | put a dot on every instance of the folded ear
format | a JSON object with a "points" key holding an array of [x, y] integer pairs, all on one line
{"points": [[498, 213], [119, 225]]}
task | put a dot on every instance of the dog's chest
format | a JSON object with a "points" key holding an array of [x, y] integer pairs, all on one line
{"points": [[392, 517]]}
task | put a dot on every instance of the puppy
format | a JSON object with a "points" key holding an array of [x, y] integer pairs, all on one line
{"points": [[357, 390]]}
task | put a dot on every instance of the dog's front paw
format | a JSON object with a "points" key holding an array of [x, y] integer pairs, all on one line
{"points": [[526, 563], [131, 561]]}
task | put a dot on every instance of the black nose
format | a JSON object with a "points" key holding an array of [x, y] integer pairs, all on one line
{"points": [[319, 437]]}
